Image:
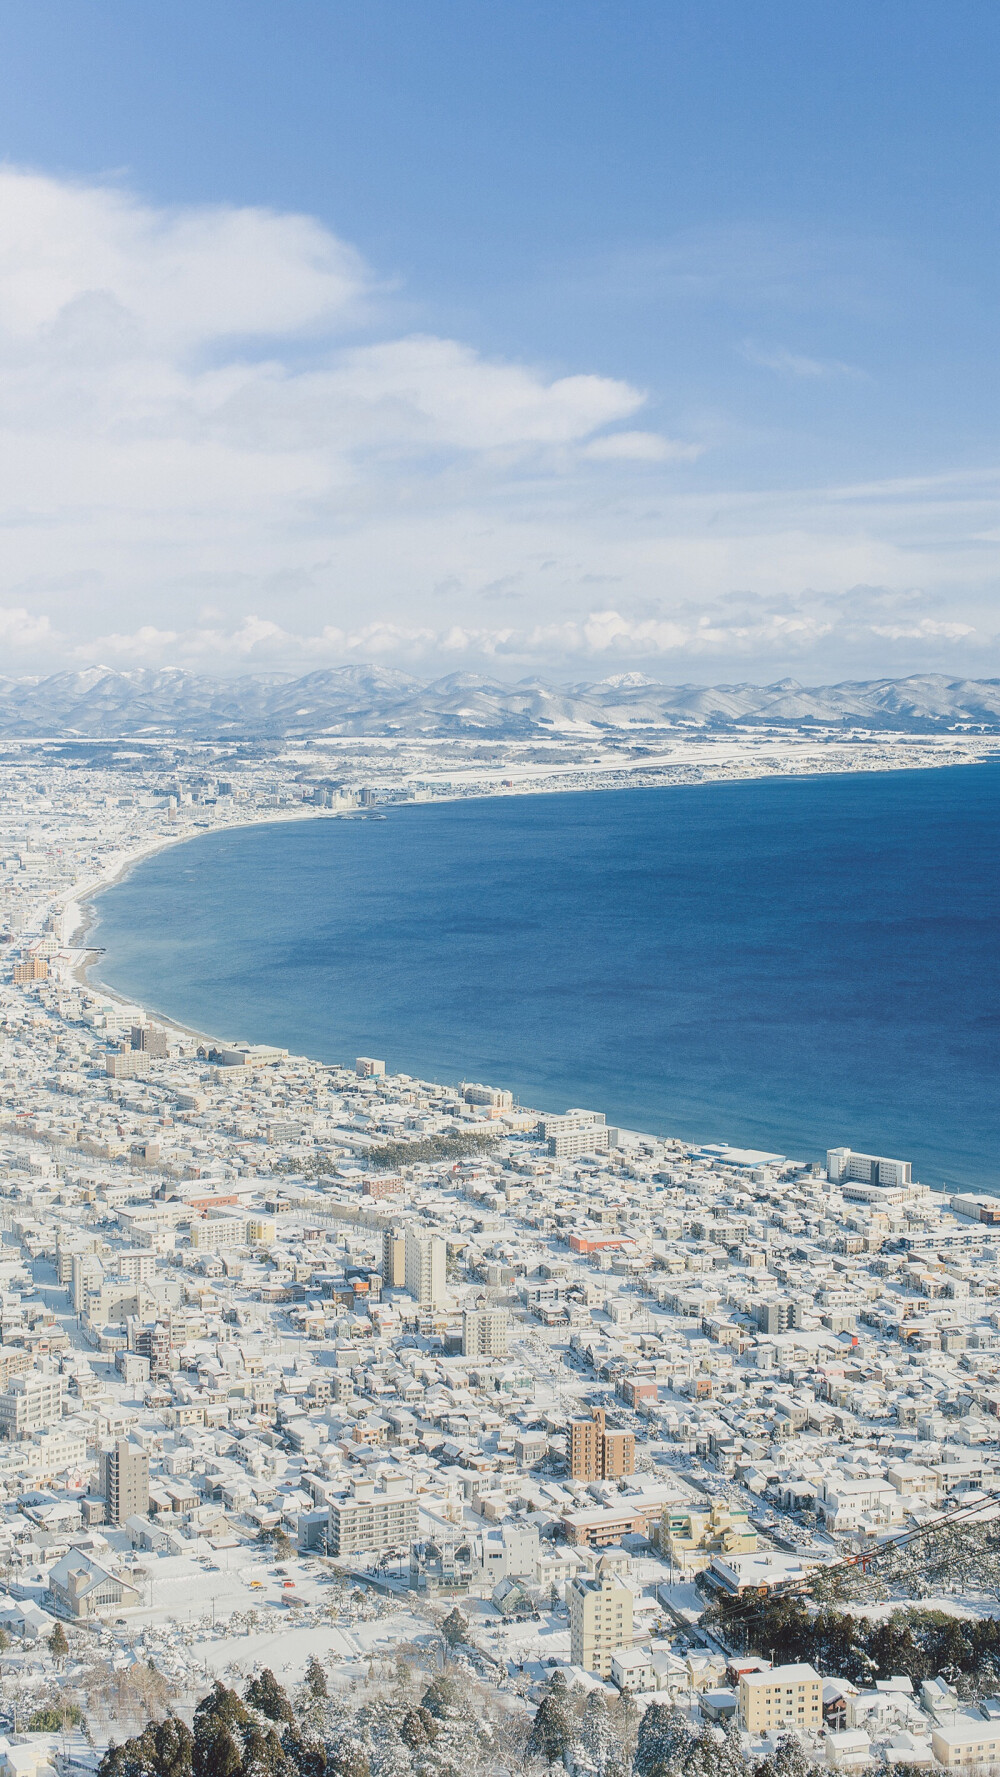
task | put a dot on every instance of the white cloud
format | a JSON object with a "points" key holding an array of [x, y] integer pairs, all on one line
{"points": [[640, 447], [443, 393], [19, 629], [740, 627], [798, 364], [189, 424], [72, 254]]}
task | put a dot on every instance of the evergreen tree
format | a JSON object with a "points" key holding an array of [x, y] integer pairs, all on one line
{"points": [[625, 1719], [599, 1742], [307, 1755], [455, 1629], [663, 1738], [220, 1722], [349, 1759], [315, 1678], [265, 1693], [442, 1696], [135, 1758], [550, 1735], [58, 1643], [163, 1749], [418, 1728], [263, 1753]]}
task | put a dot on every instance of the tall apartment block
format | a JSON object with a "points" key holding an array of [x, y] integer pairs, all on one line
{"points": [[394, 1259], [34, 968], [484, 1332], [575, 1133], [124, 1481], [426, 1276], [597, 1453], [600, 1620]]}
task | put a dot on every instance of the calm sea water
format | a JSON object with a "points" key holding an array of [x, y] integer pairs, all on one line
{"points": [[787, 964]]}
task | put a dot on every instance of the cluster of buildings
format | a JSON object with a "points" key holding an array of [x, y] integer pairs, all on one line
{"points": [[571, 1373]]}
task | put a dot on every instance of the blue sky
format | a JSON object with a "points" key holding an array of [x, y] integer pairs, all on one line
{"points": [[568, 337]]}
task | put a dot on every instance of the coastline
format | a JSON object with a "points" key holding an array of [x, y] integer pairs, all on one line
{"points": [[251, 1016], [84, 899]]}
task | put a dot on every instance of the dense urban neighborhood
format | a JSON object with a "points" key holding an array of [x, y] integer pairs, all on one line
{"points": [[357, 1422]]}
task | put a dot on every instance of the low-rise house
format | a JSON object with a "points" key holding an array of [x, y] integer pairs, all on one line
{"points": [[80, 1587]]}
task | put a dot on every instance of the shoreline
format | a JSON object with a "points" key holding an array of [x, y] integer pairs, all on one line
{"points": [[88, 962], [87, 958]]}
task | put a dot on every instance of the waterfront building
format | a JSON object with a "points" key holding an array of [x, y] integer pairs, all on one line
{"points": [[866, 1169]]}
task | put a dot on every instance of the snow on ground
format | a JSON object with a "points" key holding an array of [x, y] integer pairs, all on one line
{"points": [[185, 1588], [684, 1597], [286, 1648], [962, 1604]]}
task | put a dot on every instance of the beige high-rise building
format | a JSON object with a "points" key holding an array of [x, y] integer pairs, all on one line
{"points": [[600, 1620], [484, 1332], [426, 1275], [782, 1698], [124, 1481], [394, 1259], [597, 1453]]}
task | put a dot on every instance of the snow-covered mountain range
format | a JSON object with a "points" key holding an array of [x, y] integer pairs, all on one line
{"points": [[101, 702]]}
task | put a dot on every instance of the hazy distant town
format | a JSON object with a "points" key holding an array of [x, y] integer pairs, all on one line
{"points": [[378, 1382]]}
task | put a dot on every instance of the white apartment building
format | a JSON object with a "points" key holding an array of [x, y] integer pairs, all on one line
{"points": [[866, 1169], [370, 1519], [567, 1121], [484, 1332], [218, 1232], [600, 1619], [843, 1501], [50, 1453], [425, 1265], [495, 1098], [570, 1144], [31, 1403], [576, 1132]]}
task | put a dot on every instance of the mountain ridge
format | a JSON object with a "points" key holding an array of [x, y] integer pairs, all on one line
{"points": [[99, 702]]}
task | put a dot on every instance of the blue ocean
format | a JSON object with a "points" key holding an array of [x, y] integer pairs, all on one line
{"points": [[789, 964]]}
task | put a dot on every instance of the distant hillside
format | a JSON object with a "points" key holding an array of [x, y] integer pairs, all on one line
{"points": [[103, 703]]}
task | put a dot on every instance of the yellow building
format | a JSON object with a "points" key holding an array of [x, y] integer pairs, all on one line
{"points": [[785, 1697], [690, 1539], [600, 1619], [968, 1743]]}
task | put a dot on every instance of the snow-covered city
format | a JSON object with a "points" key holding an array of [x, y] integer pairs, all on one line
{"points": [[490, 1432]]}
